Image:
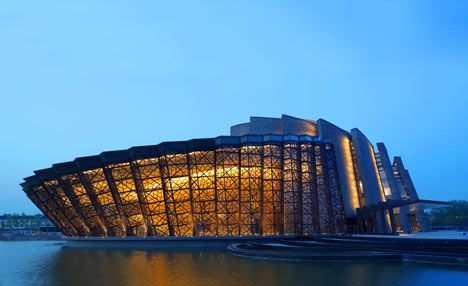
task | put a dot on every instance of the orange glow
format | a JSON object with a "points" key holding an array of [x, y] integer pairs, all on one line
{"points": [[351, 179], [249, 190]]}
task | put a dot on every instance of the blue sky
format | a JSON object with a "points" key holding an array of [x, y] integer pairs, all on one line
{"points": [[84, 77]]}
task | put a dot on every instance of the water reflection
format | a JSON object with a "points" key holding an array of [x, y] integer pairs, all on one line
{"points": [[45, 263]]}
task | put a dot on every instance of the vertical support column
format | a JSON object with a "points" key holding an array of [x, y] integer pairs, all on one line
{"points": [[71, 229], [392, 220], [310, 213], [281, 221], [382, 225], [323, 190], [163, 185], [141, 200], [76, 205], [334, 189], [215, 189], [239, 217], [271, 178], [194, 222], [360, 220], [375, 226], [292, 187], [262, 165], [96, 204], [118, 202], [227, 187], [299, 217]]}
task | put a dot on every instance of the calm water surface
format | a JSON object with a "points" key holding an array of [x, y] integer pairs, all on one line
{"points": [[48, 263]]}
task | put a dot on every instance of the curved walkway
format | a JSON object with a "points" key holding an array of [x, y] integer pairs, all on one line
{"points": [[319, 254], [357, 249]]}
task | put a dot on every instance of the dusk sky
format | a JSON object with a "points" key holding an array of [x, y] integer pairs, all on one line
{"points": [[80, 78]]}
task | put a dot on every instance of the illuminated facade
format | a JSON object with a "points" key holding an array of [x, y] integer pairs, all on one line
{"points": [[272, 176]]}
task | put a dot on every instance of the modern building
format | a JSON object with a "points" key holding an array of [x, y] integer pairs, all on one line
{"points": [[271, 176]]}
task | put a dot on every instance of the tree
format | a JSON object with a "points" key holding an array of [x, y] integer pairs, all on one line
{"points": [[454, 215]]}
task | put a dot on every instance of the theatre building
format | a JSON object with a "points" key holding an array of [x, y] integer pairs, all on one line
{"points": [[270, 176]]}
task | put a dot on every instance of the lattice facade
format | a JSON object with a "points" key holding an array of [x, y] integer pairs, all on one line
{"points": [[226, 186]]}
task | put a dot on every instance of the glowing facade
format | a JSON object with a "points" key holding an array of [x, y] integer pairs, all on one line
{"points": [[272, 176]]}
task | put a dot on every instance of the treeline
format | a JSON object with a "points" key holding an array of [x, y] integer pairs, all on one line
{"points": [[454, 215]]}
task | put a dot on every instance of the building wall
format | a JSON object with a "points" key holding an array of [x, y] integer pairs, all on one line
{"points": [[263, 125], [240, 129], [256, 187], [370, 177], [341, 140], [406, 183], [388, 169], [408, 191], [280, 126], [293, 125]]}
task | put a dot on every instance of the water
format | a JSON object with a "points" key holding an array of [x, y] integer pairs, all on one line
{"points": [[48, 263]]}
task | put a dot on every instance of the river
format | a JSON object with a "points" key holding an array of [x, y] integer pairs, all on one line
{"points": [[49, 263]]}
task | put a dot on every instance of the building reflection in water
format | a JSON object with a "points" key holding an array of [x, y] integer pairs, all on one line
{"points": [[120, 267], [48, 263]]}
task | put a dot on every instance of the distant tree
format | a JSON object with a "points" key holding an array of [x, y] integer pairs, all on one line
{"points": [[454, 215]]}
